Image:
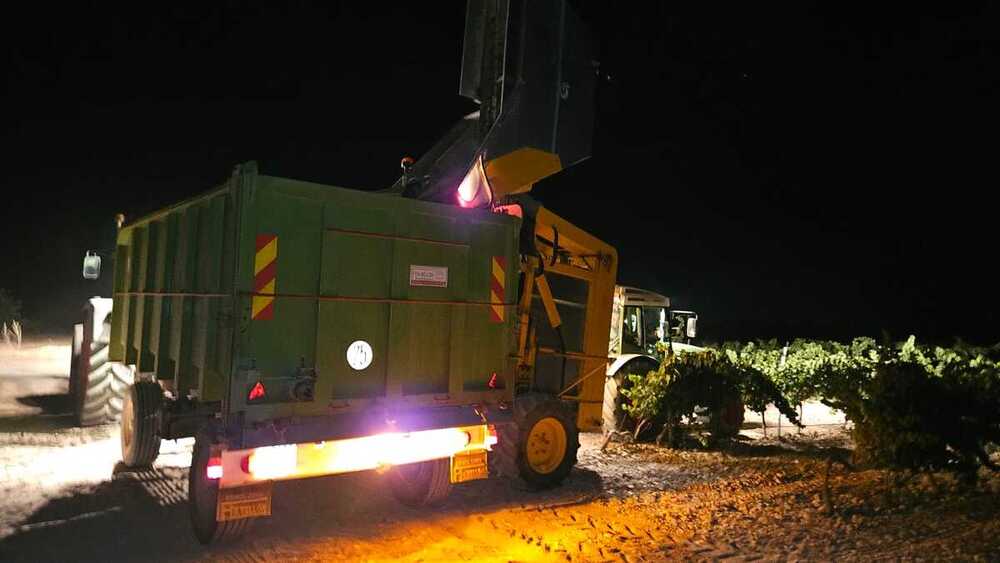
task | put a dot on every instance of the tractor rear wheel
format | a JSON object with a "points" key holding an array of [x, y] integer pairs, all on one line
{"points": [[74, 361], [140, 432], [727, 420], [613, 413], [93, 381], [427, 483], [203, 497], [503, 459], [120, 378]]}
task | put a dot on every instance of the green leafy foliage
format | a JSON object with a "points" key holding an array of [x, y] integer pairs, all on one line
{"points": [[751, 369], [912, 406], [689, 384], [930, 408]]}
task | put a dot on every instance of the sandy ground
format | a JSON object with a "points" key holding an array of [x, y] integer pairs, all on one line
{"points": [[65, 498]]}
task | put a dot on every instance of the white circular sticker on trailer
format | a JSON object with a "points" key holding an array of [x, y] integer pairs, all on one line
{"points": [[359, 355]]}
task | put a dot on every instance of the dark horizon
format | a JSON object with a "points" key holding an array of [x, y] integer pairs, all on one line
{"points": [[819, 172]]}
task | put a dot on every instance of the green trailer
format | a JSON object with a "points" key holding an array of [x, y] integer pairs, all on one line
{"points": [[298, 329], [332, 300]]}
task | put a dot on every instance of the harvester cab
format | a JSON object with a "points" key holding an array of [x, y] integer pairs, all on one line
{"points": [[643, 326], [642, 323]]}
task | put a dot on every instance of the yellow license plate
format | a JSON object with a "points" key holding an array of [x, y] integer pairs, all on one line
{"points": [[244, 502], [469, 466]]}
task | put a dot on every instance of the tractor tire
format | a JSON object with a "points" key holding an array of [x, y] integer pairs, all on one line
{"points": [[140, 432], [613, 412], [503, 458], [727, 421], [74, 362], [120, 379], [93, 385], [540, 445], [203, 496], [427, 483]]}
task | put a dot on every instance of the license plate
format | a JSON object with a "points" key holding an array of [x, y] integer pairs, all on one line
{"points": [[469, 466], [244, 502]]}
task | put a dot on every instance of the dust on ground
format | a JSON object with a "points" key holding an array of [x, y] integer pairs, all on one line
{"points": [[66, 497]]}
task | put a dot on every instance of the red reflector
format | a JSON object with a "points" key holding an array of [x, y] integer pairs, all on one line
{"points": [[214, 468], [493, 381], [257, 392]]}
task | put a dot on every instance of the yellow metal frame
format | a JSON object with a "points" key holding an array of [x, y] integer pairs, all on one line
{"points": [[517, 171], [546, 447], [585, 257]]}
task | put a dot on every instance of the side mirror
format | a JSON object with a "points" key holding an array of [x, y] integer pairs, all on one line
{"points": [[91, 266], [692, 327]]}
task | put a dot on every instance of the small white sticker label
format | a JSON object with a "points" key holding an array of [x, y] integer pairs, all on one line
{"points": [[359, 355], [431, 276]]}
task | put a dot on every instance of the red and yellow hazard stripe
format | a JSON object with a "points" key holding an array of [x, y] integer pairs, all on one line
{"points": [[498, 281], [265, 269]]}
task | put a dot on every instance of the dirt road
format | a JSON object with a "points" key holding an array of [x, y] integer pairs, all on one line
{"points": [[66, 499]]}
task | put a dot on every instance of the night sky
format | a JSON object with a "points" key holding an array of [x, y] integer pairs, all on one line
{"points": [[804, 171]]}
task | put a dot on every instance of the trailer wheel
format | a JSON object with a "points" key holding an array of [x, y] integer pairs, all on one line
{"points": [[203, 496], [541, 443], [427, 483], [93, 383], [140, 433], [74, 362]]}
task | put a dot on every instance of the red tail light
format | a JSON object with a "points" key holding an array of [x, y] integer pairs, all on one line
{"points": [[491, 436], [257, 392], [214, 468]]}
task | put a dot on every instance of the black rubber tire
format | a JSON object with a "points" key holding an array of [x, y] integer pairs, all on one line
{"points": [[613, 413], [503, 459], [203, 496], [91, 405], [511, 449], [140, 431], [427, 483], [727, 421], [120, 379], [74, 361]]}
